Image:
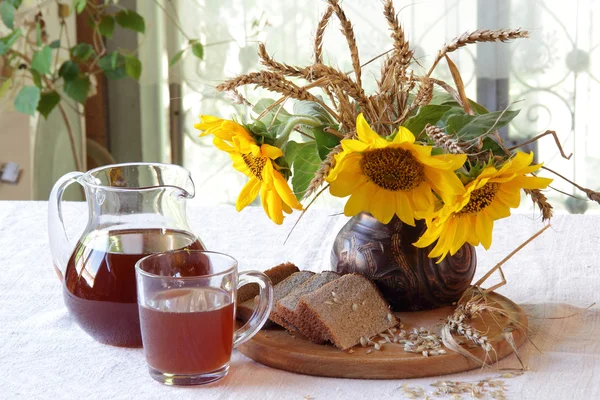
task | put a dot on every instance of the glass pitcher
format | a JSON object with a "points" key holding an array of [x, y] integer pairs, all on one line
{"points": [[134, 210]]}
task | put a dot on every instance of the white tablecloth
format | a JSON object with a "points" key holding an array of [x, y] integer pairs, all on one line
{"points": [[44, 354]]}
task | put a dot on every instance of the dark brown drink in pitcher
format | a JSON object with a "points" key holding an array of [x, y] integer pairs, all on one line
{"points": [[99, 286]]}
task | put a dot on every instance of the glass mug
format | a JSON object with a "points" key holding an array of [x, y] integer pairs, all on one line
{"points": [[186, 300]]}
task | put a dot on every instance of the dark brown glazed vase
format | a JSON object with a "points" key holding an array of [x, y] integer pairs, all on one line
{"points": [[407, 278]]}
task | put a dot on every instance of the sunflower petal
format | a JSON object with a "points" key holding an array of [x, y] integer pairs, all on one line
{"points": [[444, 243], [271, 151], [275, 207], [404, 208], [248, 194], [364, 131], [346, 184], [430, 235], [354, 146], [445, 183], [359, 200], [446, 162], [383, 205], [422, 197], [484, 227], [404, 136], [284, 192], [459, 238]]}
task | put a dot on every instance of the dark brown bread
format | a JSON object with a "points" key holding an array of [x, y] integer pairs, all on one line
{"points": [[276, 274], [343, 311], [284, 309]]}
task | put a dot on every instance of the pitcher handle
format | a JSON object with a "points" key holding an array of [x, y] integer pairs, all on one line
{"points": [[263, 308], [60, 246]]}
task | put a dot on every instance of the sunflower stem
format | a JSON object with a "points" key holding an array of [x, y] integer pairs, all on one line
{"points": [[292, 123]]}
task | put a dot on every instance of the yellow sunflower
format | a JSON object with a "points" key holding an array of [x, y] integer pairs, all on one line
{"points": [[388, 178], [256, 162], [490, 196]]}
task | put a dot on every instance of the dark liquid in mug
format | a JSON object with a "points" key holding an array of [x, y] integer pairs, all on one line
{"points": [[188, 331], [100, 289]]}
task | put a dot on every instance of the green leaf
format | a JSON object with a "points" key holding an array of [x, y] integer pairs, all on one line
{"points": [[263, 104], [489, 122], [7, 41], [107, 26], [15, 3], [198, 50], [69, 70], [175, 59], [37, 78], [27, 100], [325, 141], [7, 11], [47, 103], [55, 44], [38, 34], [79, 5], [78, 89], [42, 60], [113, 66], [493, 146], [429, 114], [306, 163], [129, 19], [312, 109], [4, 87], [133, 67], [291, 149], [82, 51], [455, 122]]}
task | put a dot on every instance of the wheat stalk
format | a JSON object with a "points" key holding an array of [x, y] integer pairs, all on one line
{"points": [[237, 98], [275, 66], [348, 33], [478, 36], [324, 169], [273, 81], [424, 94], [541, 201], [319, 35], [403, 53], [334, 77], [443, 140]]}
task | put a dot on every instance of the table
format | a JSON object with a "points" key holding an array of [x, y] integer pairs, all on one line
{"points": [[44, 354]]}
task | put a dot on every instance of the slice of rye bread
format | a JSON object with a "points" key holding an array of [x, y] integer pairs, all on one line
{"points": [[284, 308], [280, 290], [284, 288], [276, 274], [344, 310]]}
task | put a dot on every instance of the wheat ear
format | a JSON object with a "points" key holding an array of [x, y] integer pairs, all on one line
{"points": [[541, 201], [326, 166], [403, 53], [479, 36], [275, 66], [348, 33], [443, 140], [318, 52]]}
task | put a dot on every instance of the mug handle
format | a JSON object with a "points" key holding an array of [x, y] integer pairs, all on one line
{"points": [[60, 246], [263, 308]]}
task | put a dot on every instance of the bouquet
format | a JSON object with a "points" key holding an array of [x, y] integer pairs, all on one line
{"points": [[416, 149]]}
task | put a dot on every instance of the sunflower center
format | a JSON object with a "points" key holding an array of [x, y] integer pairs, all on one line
{"points": [[480, 198], [392, 168], [255, 164]]}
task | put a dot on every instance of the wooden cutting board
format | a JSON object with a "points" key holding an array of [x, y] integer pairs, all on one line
{"points": [[278, 349]]}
